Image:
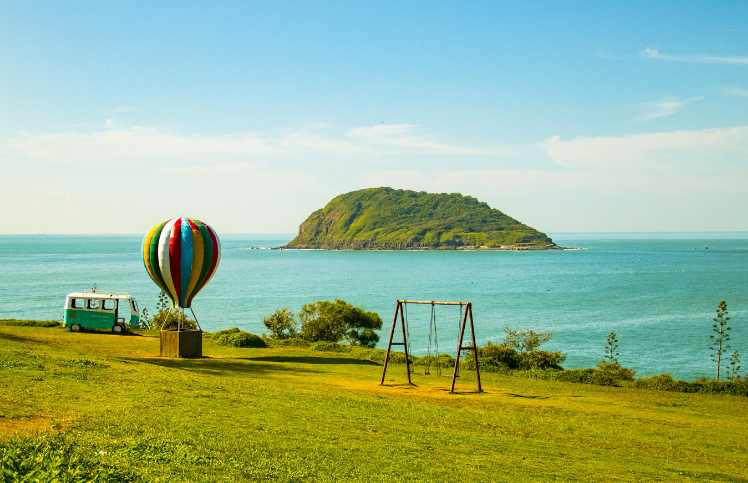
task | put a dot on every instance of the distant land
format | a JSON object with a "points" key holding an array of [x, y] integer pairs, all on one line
{"points": [[392, 219]]}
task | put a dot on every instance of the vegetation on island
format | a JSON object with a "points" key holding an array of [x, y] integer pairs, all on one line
{"points": [[387, 218]]}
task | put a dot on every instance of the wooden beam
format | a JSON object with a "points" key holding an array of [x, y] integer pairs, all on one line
{"points": [[433, 302]]}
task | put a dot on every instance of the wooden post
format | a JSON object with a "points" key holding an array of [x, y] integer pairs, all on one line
{"points": [[475, 350], [405, 344], [398, 308], [459, 346]]}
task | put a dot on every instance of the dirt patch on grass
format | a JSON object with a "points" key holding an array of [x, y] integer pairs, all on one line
{"points": [[25, 426]]}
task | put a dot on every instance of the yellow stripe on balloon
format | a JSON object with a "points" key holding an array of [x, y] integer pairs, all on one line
{"points": [[147, 249], [197, 262]]}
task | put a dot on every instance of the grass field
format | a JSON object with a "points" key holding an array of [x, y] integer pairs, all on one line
{"points": [[289, 413]]}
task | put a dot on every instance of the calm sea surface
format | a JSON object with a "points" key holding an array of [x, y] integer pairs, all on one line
{"points": [[657, 291]]}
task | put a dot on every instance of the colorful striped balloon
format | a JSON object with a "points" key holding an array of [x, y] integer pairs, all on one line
{"points": [[181, 255]]}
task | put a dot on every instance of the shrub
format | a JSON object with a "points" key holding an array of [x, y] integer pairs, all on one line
{"points": [[324, 346], [170, 319], [238, 338], [525, 340], [293, 342], [665, 382], [496, 357], [502, 357], [281, 324], [616, 371], [541, 360], [581, 376], [334, 320]]}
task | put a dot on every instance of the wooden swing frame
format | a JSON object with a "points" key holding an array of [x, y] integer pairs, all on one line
{"points": [[400, 307]]}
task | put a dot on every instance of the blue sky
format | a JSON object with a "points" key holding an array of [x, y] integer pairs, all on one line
{"points": [[594, 116]]}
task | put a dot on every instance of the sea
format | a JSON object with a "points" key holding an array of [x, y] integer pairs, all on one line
{"points": [[658, 292]]}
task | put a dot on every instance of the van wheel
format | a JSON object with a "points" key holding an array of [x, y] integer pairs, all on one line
{"points": [[118, 329], [75, 328]]}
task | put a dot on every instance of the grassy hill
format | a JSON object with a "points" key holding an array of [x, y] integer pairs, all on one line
{"points": [[386, 218], [104, 403]]}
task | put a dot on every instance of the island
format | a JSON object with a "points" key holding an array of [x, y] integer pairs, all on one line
{"points": [[394, 219]]}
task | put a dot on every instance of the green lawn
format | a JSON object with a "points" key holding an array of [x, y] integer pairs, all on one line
{"points": [[289, 413]]}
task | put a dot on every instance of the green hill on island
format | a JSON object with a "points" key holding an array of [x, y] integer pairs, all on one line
{"points": [[387, 218]]}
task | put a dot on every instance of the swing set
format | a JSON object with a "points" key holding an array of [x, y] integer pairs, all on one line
{"points": [[466, 317]]}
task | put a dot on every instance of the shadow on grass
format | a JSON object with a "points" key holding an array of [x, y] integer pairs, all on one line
{"points": [[525, 396], [313, 360], [217, 367], [21, 339]]}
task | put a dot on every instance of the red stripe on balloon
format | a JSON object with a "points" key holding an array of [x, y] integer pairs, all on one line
{"points": [[175, 255]]}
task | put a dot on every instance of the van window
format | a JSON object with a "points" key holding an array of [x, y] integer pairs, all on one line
{"points": [[79, 303], [109, 304], [94, 303]]}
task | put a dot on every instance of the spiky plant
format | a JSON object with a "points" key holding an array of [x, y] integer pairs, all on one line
{"points": [[611, 348], [720, 335]]}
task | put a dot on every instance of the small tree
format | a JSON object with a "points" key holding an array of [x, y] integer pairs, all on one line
{"points": [[525, 340], [334, 320], [734, 366], [611, 349], [163, 302], [720, 335], [281, 324], [145, 319]]}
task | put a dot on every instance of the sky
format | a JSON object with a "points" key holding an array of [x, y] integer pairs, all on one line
{"points": [[569, 116]]}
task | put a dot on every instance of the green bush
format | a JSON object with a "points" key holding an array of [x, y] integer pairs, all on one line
{"points": [[330, 347], [171, 319], [495, 357], [281, 324], [543, 360], [30, 323], [332, 321], [605, 374], [292, 342], [238, 338], [502, 357], [52, 459], [665, 382]]}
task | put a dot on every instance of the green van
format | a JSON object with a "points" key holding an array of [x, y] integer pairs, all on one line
{"points": [[93, 310]]}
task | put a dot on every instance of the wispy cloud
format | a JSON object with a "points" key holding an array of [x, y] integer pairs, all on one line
{"points": [[736, 92], [651, 53], [405, 137], [666, 107], [249, 181], [123, 109]]}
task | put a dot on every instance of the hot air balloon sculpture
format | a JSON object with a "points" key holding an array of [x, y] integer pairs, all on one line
{"points": [[181, 255]]}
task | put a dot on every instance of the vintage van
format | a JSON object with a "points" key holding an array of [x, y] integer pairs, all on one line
{"points": [[94, 310]]}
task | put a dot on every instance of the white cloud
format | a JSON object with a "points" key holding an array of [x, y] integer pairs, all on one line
{"points": [[257, 181], [666, 108], [123, 109], [405, 138], [671, 150], [655, 54], [736, 92]]}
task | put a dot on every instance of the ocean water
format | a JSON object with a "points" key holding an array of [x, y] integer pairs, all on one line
{"points": [[658, 292]]}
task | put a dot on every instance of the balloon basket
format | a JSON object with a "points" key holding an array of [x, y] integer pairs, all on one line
{"points": [[182, 343]]}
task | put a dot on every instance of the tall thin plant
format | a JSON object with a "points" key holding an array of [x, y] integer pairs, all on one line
{"points": [[611, 348], [720, 335], [734, 373]]}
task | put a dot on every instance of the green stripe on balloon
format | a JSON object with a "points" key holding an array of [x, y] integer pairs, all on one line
{"points": [[207, 257], [153, 257]]}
